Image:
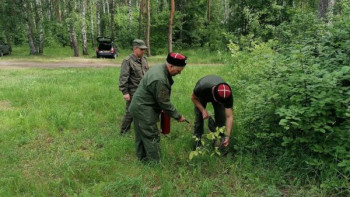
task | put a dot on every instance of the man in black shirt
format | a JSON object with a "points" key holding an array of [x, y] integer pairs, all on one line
{"points": [[213, 89]]}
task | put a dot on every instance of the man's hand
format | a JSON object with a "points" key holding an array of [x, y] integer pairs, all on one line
{"points": [[182, 119], [226, 141], [205, 114], [126, 97]]}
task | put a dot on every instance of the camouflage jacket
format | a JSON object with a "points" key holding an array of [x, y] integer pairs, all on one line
{"points": [[132, 71]]}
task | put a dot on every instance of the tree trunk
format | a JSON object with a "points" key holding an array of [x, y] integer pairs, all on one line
{"points": [[72, 33], [208, 19], [30, 34], [104, 6], [58, 10], [331, 6], [92, 24], [226, 11], [31, 43], [140, 18], [107, 6], [59, 15], [325, 6], [40, 26], [83, 29], [74, 40], [112, 20], [171, 22], [322, 8], [130, 17], [98, 17], [51, 12], [148, 30]]}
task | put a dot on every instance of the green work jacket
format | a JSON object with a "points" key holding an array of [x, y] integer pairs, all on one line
{"points": [[132, 71], [153, 95]]}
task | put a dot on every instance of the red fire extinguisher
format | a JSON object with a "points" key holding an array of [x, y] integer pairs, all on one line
{"points": [[165, 122]]}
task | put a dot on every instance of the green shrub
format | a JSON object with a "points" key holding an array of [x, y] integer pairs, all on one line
{"points": [[296, 98]]}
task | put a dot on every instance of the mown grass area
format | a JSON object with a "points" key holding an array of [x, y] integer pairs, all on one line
{"points": [[59, 136], [56, 54]]}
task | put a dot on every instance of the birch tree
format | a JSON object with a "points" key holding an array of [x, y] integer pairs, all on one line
{"points": [[130, 15], [171, 23], [148, 29], [72, 33], [39, 12], [92, 23], [325, 6], [29, 26], [98, 17], [142, 6], [112, 20], [58, 10], [83, 28]]}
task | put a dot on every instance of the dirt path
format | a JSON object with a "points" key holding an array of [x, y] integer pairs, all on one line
{"points": [[57, 64], [13, 64]]}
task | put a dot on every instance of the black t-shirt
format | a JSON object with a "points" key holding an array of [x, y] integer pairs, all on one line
{"points": [[203, 89]]}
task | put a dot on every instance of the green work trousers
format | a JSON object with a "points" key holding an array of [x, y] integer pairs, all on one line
{"points": [[147, 140]]}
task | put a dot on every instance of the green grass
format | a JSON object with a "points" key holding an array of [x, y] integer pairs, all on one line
{"points": [[59, 137]]}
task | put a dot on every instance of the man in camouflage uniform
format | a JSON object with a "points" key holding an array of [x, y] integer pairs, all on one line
{"points": [[152, 96], [133, 69]]}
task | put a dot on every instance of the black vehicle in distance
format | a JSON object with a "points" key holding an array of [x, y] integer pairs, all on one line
{"points": [[106, 48], [5, 49]]}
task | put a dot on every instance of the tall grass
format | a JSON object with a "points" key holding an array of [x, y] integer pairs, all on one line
{"points": [[59, 136]]}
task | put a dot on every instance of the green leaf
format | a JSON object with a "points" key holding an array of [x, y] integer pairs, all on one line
{"points": [[191, 155]]}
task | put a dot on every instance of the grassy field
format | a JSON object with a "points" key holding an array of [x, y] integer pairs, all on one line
{"points": [[59, 136]]}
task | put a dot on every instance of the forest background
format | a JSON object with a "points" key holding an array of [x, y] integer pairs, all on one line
{"points": [[288, 62]]}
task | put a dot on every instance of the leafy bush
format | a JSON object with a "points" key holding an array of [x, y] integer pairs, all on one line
{"points": [[210, 143], [297, 97]]}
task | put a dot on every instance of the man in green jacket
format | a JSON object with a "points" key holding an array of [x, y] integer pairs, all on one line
{"points": [[133, 69], [152, 96]]}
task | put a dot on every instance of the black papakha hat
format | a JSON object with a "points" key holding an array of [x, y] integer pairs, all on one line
{"points": [[222, 92], [176, 59]]}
